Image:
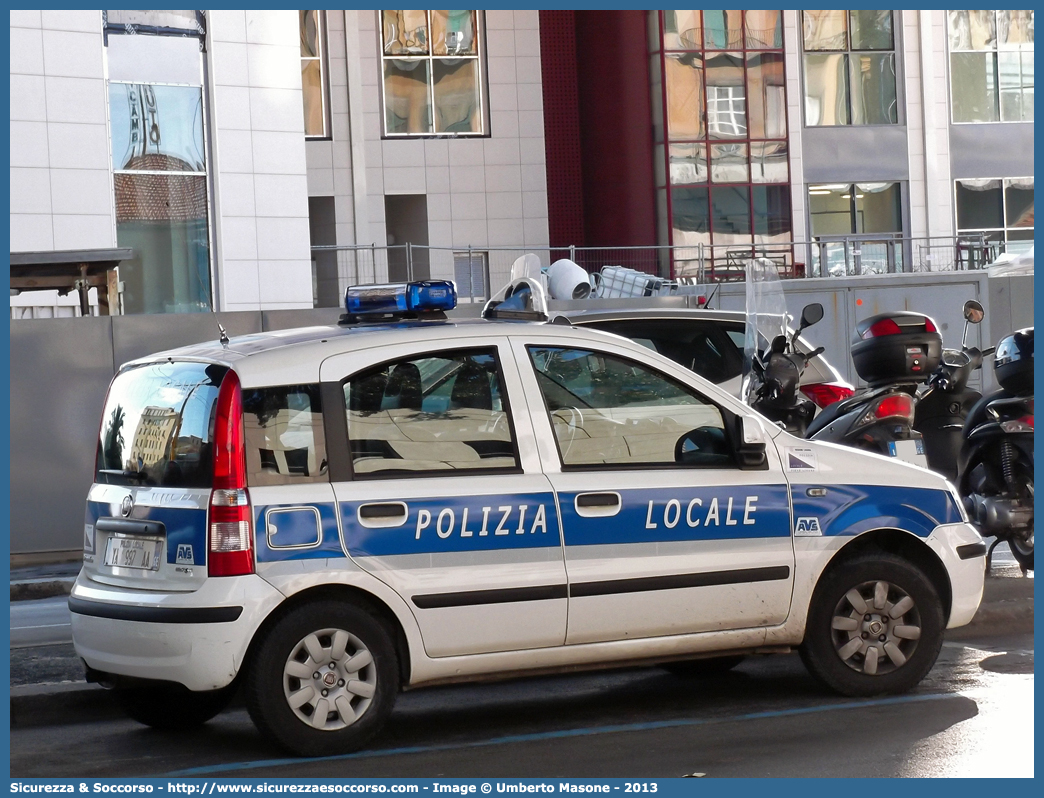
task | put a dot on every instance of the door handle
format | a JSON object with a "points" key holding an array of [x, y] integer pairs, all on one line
{"points": [[597, 505], [380, 515]]}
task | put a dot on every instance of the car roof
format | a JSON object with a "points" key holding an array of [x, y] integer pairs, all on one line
{"points": [[585, 315], [287, 357]]}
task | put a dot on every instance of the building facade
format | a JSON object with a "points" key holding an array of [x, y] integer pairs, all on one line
{"points": [[266, 159]]}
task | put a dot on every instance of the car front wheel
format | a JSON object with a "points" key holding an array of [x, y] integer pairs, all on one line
{"points": [[875, 626]]}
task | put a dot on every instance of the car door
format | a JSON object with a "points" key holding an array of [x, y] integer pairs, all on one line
{"points": [[442, 497], [664, 532]]}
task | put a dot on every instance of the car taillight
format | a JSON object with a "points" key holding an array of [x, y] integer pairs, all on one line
{"points": [[929, 325], [231, 535], [825, 394], [882, 327]]}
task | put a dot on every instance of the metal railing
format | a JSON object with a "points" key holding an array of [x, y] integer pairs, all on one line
{"points": [[479, 270]]}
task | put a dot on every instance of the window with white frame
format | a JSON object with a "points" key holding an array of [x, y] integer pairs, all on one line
{"points": [[849, 60], [158, 136], [991, 65], [314, 80], [431, 66], [1002, 209]]}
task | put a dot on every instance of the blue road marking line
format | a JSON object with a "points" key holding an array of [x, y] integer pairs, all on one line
{"points": [[562, 734]]}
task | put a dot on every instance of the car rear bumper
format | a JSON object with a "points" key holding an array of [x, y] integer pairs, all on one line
{"points": [[196, 639]]}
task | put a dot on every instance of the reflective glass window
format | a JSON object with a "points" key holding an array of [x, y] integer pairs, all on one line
{"points": [[768, 162], [771, 205], [686, 110], [726, 96], [682, 30], [172, 20], [830, 209], [764, 30], [407, 104], [688, 163], [1018, 202], [766, 93], [722, 30], [730, 214], [430, 414], [856, 86], [156, 426], [825, 30], [973, 84], [608, 410], [728, 163], [826, 89], [690, 216], [156, 128], [314, 87], [991, 65], [432, 73], [872, 83], [980, 204], [878, 208], [871, 30], [283, 428]]}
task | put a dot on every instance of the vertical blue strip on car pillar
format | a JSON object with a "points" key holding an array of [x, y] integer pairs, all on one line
{"points": [[673, 514], [851, 509], [458, 523]]}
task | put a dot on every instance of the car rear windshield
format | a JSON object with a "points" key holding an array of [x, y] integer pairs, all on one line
{"points": [[713, 349], [158, 425]]}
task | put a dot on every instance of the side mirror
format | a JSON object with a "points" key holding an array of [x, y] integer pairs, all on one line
{"points": [[812, 314], [751, 443], [973, 312]]}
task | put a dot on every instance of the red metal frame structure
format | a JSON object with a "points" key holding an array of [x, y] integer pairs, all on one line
{"points": [[743, 50]]}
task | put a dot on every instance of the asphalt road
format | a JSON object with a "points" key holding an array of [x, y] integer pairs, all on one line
{"points": [[972, 716]]}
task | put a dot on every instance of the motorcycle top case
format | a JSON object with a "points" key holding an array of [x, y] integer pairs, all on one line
{"points": [[1013, 362], [895, 347]]}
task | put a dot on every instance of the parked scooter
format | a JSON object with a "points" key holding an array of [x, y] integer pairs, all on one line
{"points": [[893, 353], [995, 466], [947, 401], [773, 364]]}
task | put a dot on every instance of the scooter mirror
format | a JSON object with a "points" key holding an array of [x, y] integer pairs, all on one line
{"points": [[973, 311], [812, 314]]}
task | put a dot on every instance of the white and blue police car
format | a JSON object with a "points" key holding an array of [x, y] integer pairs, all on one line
{"points": [[327, 516]]}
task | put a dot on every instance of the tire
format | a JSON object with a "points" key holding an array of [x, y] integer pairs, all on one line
{"points": [[1022, 547], [875, 627], [703, 668], [348, 653], [173, 707]]}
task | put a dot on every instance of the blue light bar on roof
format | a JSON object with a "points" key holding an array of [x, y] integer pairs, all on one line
{"points": [[400, 299]]}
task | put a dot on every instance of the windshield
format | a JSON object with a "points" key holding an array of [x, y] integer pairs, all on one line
{"points": [[766, 315]]}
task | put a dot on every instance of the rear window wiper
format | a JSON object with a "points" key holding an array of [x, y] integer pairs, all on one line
{"points": [[137, 476]]}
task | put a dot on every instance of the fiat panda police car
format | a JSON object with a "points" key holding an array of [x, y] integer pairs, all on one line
{"points": [[327, 516]]}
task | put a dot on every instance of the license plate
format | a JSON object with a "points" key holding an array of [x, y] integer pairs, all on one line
{"points": [[140, 553], [910, 451]]}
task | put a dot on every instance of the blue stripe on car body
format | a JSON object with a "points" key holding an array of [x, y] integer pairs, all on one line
{"points": [[852, 509]]}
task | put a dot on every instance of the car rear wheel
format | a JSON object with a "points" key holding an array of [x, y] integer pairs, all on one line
{"points": [[172, 707], [324, 679], [875, 627]]}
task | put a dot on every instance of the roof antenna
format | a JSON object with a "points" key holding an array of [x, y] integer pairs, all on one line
{"points": [[223, 337]]}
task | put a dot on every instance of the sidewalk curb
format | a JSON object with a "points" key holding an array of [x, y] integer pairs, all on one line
{"points": [[30, 589], [1007, 608]]}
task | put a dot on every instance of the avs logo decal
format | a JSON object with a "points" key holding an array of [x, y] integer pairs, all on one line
{"points": [[184, 554], [807, 527]]}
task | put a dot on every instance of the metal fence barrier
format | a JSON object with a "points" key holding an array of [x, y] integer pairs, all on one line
{"points": [[478, 271]]}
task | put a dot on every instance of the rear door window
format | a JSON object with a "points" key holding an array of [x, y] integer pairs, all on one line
{"points": [[441, 412], [158, 424]]}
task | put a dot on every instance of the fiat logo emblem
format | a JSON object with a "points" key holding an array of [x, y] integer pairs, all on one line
{"points": [[126, 506]]}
